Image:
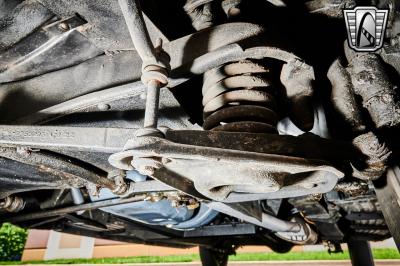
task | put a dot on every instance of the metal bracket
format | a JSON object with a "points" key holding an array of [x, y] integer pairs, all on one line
{"points": [[226, 174]]}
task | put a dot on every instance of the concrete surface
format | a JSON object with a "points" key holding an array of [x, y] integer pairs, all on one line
{"points": [[283, 263]]}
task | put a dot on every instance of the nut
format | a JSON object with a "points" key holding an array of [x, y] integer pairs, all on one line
{"points": [[146, 166]]}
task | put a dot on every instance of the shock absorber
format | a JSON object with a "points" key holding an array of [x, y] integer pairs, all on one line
{"points": [[240, 97]]}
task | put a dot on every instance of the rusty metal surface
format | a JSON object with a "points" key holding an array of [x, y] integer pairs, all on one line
{"points": [[73, 209], [377, 156], [62, 168], [219, 173], [14, 179], [305, 146], [231, 149], [373, 85], [234, 84], [344, 99]]}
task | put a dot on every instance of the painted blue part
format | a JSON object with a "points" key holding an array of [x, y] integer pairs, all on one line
{"points": [[157, 213], [204, 216], [135, 176]]}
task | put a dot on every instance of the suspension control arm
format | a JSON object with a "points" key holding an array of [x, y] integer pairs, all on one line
{"points": [[105, 140]]}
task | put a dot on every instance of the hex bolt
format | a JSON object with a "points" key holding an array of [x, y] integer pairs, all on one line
{"points": [[63, 26]]}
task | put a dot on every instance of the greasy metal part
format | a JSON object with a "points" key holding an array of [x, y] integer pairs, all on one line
{"points": [[73, 209], [121, 186], [363, 211], [297, 78], [316, 212], [147, 165], [275, 175], [267, 221], [352, 189], [372, 84], [14, 178], [355, 216], [345, 86], [305, 146], [377, 156], [12, 204], [227, 87], [56, 165], [343, 98]]}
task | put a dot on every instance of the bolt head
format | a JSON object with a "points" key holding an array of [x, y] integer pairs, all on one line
{"points": [[63, 26]]}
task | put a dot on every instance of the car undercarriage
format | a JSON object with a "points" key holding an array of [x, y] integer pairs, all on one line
{"points": [[211, 123]]}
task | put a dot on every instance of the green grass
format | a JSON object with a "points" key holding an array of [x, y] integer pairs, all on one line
{"points": [[314, 255], [311, 255]]}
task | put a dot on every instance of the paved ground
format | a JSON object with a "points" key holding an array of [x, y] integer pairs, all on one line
{"points": [[305, 263]]}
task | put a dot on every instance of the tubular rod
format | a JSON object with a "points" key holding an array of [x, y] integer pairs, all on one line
{"points": [[267, 221], [152, 102], [137, 29], [72, 209]]}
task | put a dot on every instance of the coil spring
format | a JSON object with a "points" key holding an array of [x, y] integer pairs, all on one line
{"points": [[237, 97]]}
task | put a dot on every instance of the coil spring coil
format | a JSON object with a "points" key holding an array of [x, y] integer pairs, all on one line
{"points": [[237, 97]]}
